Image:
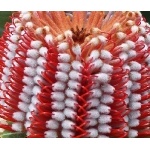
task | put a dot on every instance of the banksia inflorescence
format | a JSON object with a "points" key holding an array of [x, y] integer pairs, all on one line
{"points": [[75, 74]]}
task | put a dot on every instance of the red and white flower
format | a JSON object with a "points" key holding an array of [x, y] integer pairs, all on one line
{"points": [[76, 74]]}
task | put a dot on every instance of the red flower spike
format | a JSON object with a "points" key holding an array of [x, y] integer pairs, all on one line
{"points": [[75, 75]]}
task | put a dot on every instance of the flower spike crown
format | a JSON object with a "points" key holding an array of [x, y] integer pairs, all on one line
{"points": [[75, 74]]}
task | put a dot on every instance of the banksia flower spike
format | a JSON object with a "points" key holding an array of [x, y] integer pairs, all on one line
{"points": [[75, 74]]}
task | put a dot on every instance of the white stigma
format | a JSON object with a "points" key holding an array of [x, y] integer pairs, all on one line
{"points": [[106, 55], [62, 47], [36, 44], [19, 116], [52, 124]]}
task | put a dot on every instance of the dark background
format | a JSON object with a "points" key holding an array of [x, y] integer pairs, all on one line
{"points": [[4, 17]]}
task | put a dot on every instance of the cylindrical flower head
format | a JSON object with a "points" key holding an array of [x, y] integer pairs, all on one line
{"points": [[76, 74]]}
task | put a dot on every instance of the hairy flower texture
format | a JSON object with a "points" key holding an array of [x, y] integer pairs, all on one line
{"points": [[76, 74]]}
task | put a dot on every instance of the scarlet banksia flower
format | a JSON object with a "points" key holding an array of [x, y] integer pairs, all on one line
{"points": [[75, 74]]}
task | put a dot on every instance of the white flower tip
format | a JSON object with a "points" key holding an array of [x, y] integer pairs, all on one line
{"points": [[51, 134], [24, 97], [61, 76], [59, 116], [70, 113], [41, 61], [62, 47], [93, 133], [67, 124], [19, 116], [95, 41], [68, 33], [23, 106], [107, 88], [58, 86], [58, 105], [104, 109], [67, 133], [36, 90], [49, 38], [94, 55], [93, 114], [117, 25], [65, 58], [58, 96], [29, 25], [31, 62], [104, 128], [134, 123], [32, 107], [135, 97], [17, 127], [70, 103], [97, 64], [125, 47], [96, 93], [134, 114], [76, 50], [135, 105], [30, 71], [36, 44], [93, 102], [60, 37], [107, 99], [106, 55], [106, 68], [102, 77], [102, 39], [14, 38], [120, 35], [103, 119], [135, 76], [131, 44], [77, 65], [64, 67], [52, 124], [132, 133], [26, 16], [43, 51], [27, 124], [95, 30], [39, 31], [33, 53], [39, 70], [135, 66], [134, 29], [74, 75], [71, 93]]}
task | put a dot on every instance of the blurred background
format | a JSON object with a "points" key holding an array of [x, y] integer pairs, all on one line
{"points": [[4, 17]]}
